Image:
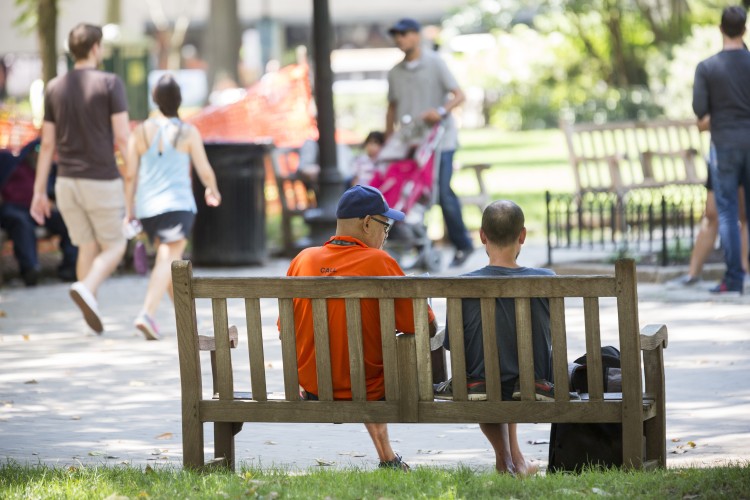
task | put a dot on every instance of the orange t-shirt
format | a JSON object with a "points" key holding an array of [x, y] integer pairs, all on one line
{"points": [[350, 257]]}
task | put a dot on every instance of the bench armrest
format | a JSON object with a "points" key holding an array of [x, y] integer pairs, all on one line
{"points": [[653, 337], [208, 342]]}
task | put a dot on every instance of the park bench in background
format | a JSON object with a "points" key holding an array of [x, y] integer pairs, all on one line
{"points": [[42, 235], [407, 359], [638, 188], [294, 196]]}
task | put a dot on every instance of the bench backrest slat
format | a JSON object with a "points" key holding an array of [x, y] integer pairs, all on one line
{"points": [[224, 373], [559, 348], [424, 359], [458, 355], [492, 368], [288, 349], [407, 287], [390, 354], [593, 348], [524, 339], [322, 349], [356, 350], [256, 355]]}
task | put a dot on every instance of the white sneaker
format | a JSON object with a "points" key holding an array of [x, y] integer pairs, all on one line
{"points": [[88, 305], [147, 326]]}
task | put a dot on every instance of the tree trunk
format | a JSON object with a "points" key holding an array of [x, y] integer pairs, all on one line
{"points": [[223, 42], [47, 34]]}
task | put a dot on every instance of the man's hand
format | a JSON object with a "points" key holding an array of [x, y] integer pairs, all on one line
{"points": [[704, 123], [431, 117], [40, 208]]}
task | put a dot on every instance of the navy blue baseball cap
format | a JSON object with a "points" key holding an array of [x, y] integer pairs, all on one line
{"points": [[404, 25], [360, 201]]}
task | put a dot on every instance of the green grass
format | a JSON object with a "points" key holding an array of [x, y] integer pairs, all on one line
{"points": [[129, 482]]}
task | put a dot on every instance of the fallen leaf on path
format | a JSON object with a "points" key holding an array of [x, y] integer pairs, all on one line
{"points": [[325, 463], [691, 444], [136, 383], [675, 440], [26, 337], [111, 457], [34, 453], [352, 453], [75, 417], [270, 442], [429, 452], [539, 441], [2, 313], [7, 403], [679, 451], [32, 381], [96, 453], [165, 435]]}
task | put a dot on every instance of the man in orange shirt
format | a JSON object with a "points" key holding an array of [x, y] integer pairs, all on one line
{"points": [[363, 222]]}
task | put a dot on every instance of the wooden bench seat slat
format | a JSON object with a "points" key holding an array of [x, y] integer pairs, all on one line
{"points": [[322, 349], [525, 349], [559, 348], [225, 378], [390, 356], [256, 355], [458, 355], [593, 348], [288, 348], [422, 340], [356, 351], [492, 368], [411, 287]]}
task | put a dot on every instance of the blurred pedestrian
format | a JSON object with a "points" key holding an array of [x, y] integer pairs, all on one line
{"points": [[85, 114], [721, 91], [158, 190], [422, 91]]}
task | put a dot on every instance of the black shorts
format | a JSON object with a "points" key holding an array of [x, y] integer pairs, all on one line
{"points": [[169, 227]]}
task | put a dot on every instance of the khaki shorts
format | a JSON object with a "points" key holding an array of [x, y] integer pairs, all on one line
{"points": [[93, 210]]}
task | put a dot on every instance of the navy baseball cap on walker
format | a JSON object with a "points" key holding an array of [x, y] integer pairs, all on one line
{"points": [[404, 25], [360, 201]]}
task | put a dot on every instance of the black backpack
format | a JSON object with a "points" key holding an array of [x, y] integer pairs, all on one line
{"points": [[573, 447]]}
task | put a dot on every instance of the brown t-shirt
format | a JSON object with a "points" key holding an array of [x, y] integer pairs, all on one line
{"points": [[81, 103]]}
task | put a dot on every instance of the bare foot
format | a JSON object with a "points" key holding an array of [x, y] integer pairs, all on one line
{"points": [[526, 469]]}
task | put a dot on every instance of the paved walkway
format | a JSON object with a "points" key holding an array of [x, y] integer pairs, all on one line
{"points": [[68, 396]]}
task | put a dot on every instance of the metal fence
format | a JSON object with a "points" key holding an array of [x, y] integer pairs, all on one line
{"points": [[657, 225]]}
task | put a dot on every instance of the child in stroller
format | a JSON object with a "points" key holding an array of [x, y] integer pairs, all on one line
{"points": [[408, 182]]}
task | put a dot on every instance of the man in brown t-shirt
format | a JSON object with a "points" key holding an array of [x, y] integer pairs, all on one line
{"points": [[85, 114]]}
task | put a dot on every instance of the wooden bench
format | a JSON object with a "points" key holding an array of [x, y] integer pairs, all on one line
{"points": [[407, 358], [620, 156]]}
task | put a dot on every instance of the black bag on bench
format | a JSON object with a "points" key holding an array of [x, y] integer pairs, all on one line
{"points": [[574, 447]]}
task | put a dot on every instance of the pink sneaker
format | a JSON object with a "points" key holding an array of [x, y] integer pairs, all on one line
{"points": [[147, 326]]}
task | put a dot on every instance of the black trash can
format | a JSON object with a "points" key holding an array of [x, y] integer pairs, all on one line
{"points": [[234, 233]]}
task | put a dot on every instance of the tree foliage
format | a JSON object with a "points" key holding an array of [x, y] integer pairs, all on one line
{"points": [[602, 50], [41, 16]]}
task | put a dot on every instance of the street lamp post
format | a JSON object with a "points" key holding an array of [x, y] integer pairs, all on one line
{"points": [[322, 220]]}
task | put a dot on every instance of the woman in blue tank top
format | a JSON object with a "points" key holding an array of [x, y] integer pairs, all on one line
{"points": [[158, 190]]}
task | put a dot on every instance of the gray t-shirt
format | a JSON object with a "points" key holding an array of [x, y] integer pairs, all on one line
{"points": [[81, 103], [420, 88], [505, 328], [722, 89]]}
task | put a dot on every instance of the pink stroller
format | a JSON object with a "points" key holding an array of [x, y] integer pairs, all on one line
{"points": [[409, 184]]}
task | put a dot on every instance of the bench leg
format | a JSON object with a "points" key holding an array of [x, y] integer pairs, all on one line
{"points": [[224, 441], [656, 428]]}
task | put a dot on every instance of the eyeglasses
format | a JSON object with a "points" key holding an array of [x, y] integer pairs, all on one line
{"points": [[386, 224]]}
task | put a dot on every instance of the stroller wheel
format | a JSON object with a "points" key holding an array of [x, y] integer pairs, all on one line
{"points": [[433, 259]]}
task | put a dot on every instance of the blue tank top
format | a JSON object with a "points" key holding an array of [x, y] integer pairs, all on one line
{"points": [[164, 183]]}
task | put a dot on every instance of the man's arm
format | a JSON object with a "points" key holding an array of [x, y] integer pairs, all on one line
{"points": [[121, 132], [40, 206], [700, 93], [130, 172], [390, 119], [433, 116]]}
